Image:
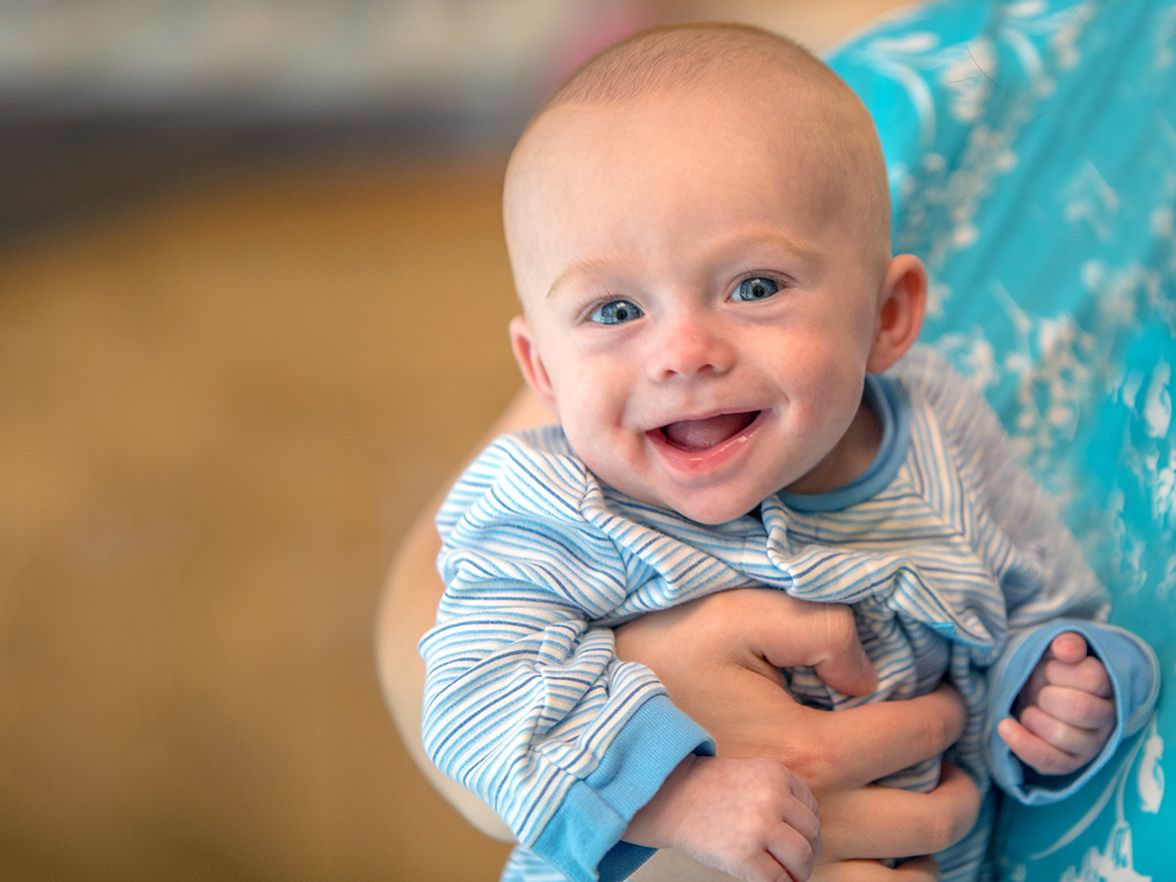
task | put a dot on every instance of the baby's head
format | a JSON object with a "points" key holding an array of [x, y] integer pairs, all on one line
{"points": [[698, 225]]}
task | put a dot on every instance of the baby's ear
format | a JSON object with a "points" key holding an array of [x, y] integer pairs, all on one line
{"points": [[526, 353], [902, 302]]}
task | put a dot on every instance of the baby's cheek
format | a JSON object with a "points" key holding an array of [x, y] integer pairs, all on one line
{"points": [[593, 443]]}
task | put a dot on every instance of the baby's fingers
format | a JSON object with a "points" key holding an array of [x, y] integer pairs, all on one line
{"points": [[1068, 647], [793, 851], [1035, 751], [1077, 707], [1089, 675], [1049, 745], [1082, 745], [763, 868]]}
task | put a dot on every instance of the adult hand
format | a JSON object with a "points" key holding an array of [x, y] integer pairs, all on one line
{"points": [[719, 658], [673, 866], [922, 869]]}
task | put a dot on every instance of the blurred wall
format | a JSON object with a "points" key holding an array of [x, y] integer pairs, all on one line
{"points": [[221, 409], [105, 102]]}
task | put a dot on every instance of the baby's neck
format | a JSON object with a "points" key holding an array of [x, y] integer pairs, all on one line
{"points": [[849, 459]]}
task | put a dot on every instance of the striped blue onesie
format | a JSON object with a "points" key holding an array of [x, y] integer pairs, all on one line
{"points": [[955, 563]]}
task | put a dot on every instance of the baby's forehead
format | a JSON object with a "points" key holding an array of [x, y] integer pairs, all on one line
{"points": [[819, 136], [806, 125]]}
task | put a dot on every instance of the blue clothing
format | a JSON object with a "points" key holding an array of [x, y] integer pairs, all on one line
{"points": [[952, 558], [1031, 148]]}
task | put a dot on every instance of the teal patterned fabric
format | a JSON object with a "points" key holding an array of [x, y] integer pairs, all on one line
{"points": [[1032, 152]]}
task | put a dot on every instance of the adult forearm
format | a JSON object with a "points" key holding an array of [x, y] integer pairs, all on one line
{"points": [[408, 609]]}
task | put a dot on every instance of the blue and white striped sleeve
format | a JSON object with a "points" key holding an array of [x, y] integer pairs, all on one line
{"points": [[526, 703], [1063, 593]]}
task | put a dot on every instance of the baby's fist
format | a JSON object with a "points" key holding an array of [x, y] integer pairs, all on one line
{"points": [[1065, 713], [751, 818]]}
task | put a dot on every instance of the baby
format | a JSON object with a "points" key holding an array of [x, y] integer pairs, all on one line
{"points": [[698, 223]]}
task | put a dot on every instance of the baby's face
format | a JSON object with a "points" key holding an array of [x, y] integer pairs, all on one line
{"points": [[699, 307]]}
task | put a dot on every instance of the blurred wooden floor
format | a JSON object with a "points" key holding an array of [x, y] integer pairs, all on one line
{"points": [[220, 410]]}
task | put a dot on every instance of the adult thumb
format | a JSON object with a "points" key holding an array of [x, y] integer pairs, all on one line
{"points": [[822, 636]]}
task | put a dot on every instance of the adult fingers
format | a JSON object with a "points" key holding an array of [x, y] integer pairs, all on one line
{"points": [[922, 869], [794, 632], [858, 745], [885, 822]]}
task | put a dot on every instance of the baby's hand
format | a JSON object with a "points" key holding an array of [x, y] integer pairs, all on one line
{"points": [[1065, 712], [751, 818]]}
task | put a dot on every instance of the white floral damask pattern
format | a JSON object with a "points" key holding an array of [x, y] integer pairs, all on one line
{"points": [[1115, 862], [1032, 152]]}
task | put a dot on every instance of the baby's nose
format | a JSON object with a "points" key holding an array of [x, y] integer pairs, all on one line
{"points": [[689, 349]]}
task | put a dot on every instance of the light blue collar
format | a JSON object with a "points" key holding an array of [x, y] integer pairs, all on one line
{"points": [[892, 407]]}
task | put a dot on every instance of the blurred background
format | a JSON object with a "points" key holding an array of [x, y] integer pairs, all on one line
{"points": [[253, 306]]}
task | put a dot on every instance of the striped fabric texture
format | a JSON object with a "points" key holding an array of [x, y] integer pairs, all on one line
{"points": [[949, 553]]}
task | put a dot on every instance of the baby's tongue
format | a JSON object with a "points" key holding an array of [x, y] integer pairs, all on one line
{"points": [[700, 434]]}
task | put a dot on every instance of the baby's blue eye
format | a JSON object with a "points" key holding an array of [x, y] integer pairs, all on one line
{"points": [[616, 312], [757, 288]]}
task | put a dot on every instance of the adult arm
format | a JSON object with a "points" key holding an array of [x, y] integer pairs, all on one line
{"points": [[408, 610]]}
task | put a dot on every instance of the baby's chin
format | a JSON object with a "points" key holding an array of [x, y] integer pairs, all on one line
{"points": [[719, 513], [709, 508]]}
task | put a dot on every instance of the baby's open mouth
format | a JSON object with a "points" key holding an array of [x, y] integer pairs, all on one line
{"points": [[703, 434]]}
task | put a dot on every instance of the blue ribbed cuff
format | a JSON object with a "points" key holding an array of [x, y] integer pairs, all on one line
{"points": [[1134, 672], [583, 838]]}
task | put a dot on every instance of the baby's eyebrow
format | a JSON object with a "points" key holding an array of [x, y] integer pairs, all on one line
{"points": [[585, 266], [796, 246]]}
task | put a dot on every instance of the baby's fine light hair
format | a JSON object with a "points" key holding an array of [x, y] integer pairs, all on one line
{"points": [[675, 57], [679, 56]]}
